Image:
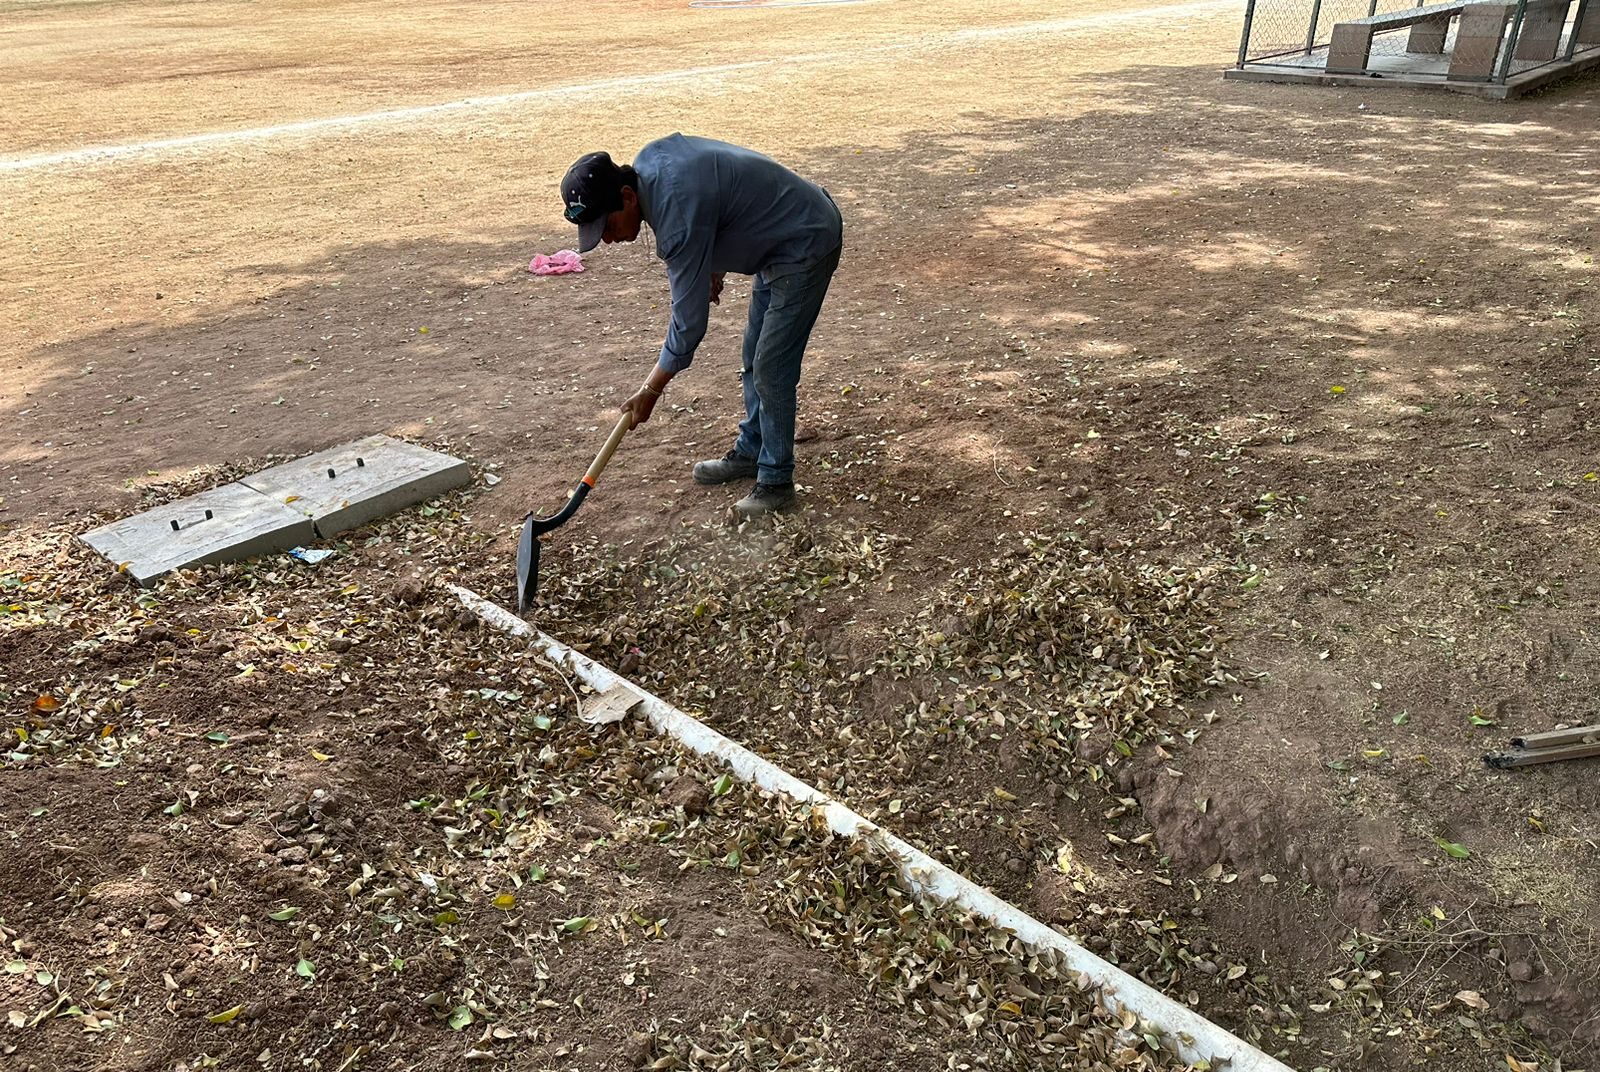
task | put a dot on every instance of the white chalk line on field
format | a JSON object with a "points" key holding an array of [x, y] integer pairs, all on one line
{"points": [[931, 42], [725, 5]]}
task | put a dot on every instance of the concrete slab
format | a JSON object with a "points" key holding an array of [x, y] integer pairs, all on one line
{"points": [[221, 525], [354, 483], [1542, 24], [1587, 31]]}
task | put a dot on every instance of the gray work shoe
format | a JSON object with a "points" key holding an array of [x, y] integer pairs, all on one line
{"points": [[731, 466], [765, 499]]}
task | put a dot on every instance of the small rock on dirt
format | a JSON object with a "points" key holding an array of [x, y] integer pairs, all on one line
{"points": [[409, 590], [637, 1051], [688, 794]]}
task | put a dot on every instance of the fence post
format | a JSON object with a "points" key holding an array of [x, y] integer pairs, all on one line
{"points": [[1244, 40], [1577, 27], [1511, 42], [1311, 31]]}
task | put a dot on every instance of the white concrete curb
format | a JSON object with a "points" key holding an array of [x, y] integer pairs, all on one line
{"points": [[1193, 1036]]}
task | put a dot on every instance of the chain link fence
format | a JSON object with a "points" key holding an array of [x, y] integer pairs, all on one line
{"points": [[1552, 33], [1479, 42]]}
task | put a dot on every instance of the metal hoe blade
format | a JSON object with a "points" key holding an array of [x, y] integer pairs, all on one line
{"points": [[528, 547], [534, 527], [527, 567]]}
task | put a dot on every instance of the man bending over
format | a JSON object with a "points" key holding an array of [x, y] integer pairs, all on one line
{"points": [[716, 208]]}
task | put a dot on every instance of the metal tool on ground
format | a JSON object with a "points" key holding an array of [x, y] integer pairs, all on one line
{"points": [[1580, 742], [534, 527]]}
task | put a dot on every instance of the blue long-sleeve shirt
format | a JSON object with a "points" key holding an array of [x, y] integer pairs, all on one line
{"points": [[718, 208]]}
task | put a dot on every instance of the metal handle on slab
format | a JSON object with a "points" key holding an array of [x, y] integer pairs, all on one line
{"points": [[176, 524], [361, 463]]}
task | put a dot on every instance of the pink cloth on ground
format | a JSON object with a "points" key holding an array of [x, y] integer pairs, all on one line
{"points": [[556, 263]]}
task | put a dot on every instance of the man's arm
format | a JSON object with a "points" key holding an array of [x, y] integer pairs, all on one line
{"points": [[690, 274], [642, 402], [689, 271]]}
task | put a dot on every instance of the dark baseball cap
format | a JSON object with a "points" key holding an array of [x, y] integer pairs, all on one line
{"points": [[592, 191]]}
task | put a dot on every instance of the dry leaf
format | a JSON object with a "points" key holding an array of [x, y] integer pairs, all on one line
{"points": [[604, 708]]}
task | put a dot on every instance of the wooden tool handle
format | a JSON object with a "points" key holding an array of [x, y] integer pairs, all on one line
{"points": [[623, 424]]}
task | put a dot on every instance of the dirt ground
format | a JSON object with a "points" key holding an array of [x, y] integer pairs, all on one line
{"points": [[1199, 479], [246, 830]]}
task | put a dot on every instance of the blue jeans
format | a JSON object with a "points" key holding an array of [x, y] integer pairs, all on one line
{"points": [[782, 314]]}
